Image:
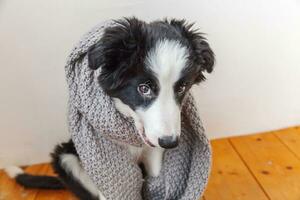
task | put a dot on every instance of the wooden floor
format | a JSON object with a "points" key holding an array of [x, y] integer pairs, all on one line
{"points": [[255, 167]]}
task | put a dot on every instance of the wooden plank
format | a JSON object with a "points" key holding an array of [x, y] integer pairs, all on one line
{"points": [[10, 190], [272, 163], [230, 178], [291, 138], [54, 194]]}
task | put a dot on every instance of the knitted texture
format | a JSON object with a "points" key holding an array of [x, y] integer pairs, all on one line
{"points": [[98, 131]]}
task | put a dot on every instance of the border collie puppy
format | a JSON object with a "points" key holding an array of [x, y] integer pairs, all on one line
{"points": [[147, 68]]}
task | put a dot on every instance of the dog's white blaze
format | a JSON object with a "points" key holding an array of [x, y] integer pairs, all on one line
{"points": [[71, 164], [167, 60]]}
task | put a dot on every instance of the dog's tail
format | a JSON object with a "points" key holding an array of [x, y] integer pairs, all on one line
{"points": [[33, 181]]}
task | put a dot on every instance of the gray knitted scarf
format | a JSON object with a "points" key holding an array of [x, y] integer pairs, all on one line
{"points": [[97, 129]]}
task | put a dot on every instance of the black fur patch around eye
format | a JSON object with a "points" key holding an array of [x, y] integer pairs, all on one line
{"points": [[129, 94]]}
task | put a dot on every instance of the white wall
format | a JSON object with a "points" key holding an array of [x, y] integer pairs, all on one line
{"points": [[255, 87]]}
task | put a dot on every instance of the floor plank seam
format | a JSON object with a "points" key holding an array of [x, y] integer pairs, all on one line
{"points": [[250, 171], [287, 146], [36, 195]]}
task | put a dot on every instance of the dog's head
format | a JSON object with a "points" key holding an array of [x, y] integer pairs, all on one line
{"points": [[148, 69]]}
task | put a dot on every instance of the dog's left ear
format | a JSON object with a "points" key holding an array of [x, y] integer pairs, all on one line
{"points": [[202, 54]]}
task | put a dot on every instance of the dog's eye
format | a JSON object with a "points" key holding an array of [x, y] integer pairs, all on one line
{"points": [[144, 89]]}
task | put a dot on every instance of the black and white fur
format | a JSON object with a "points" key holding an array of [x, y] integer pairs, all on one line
{"points": [[147, 68]]}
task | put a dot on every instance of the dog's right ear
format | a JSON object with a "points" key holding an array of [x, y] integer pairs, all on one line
{"points": [[117, 52], [95, 56], [118, 43]]}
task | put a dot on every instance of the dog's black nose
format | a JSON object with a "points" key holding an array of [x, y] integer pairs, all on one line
{"points": [[168, 142]]}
